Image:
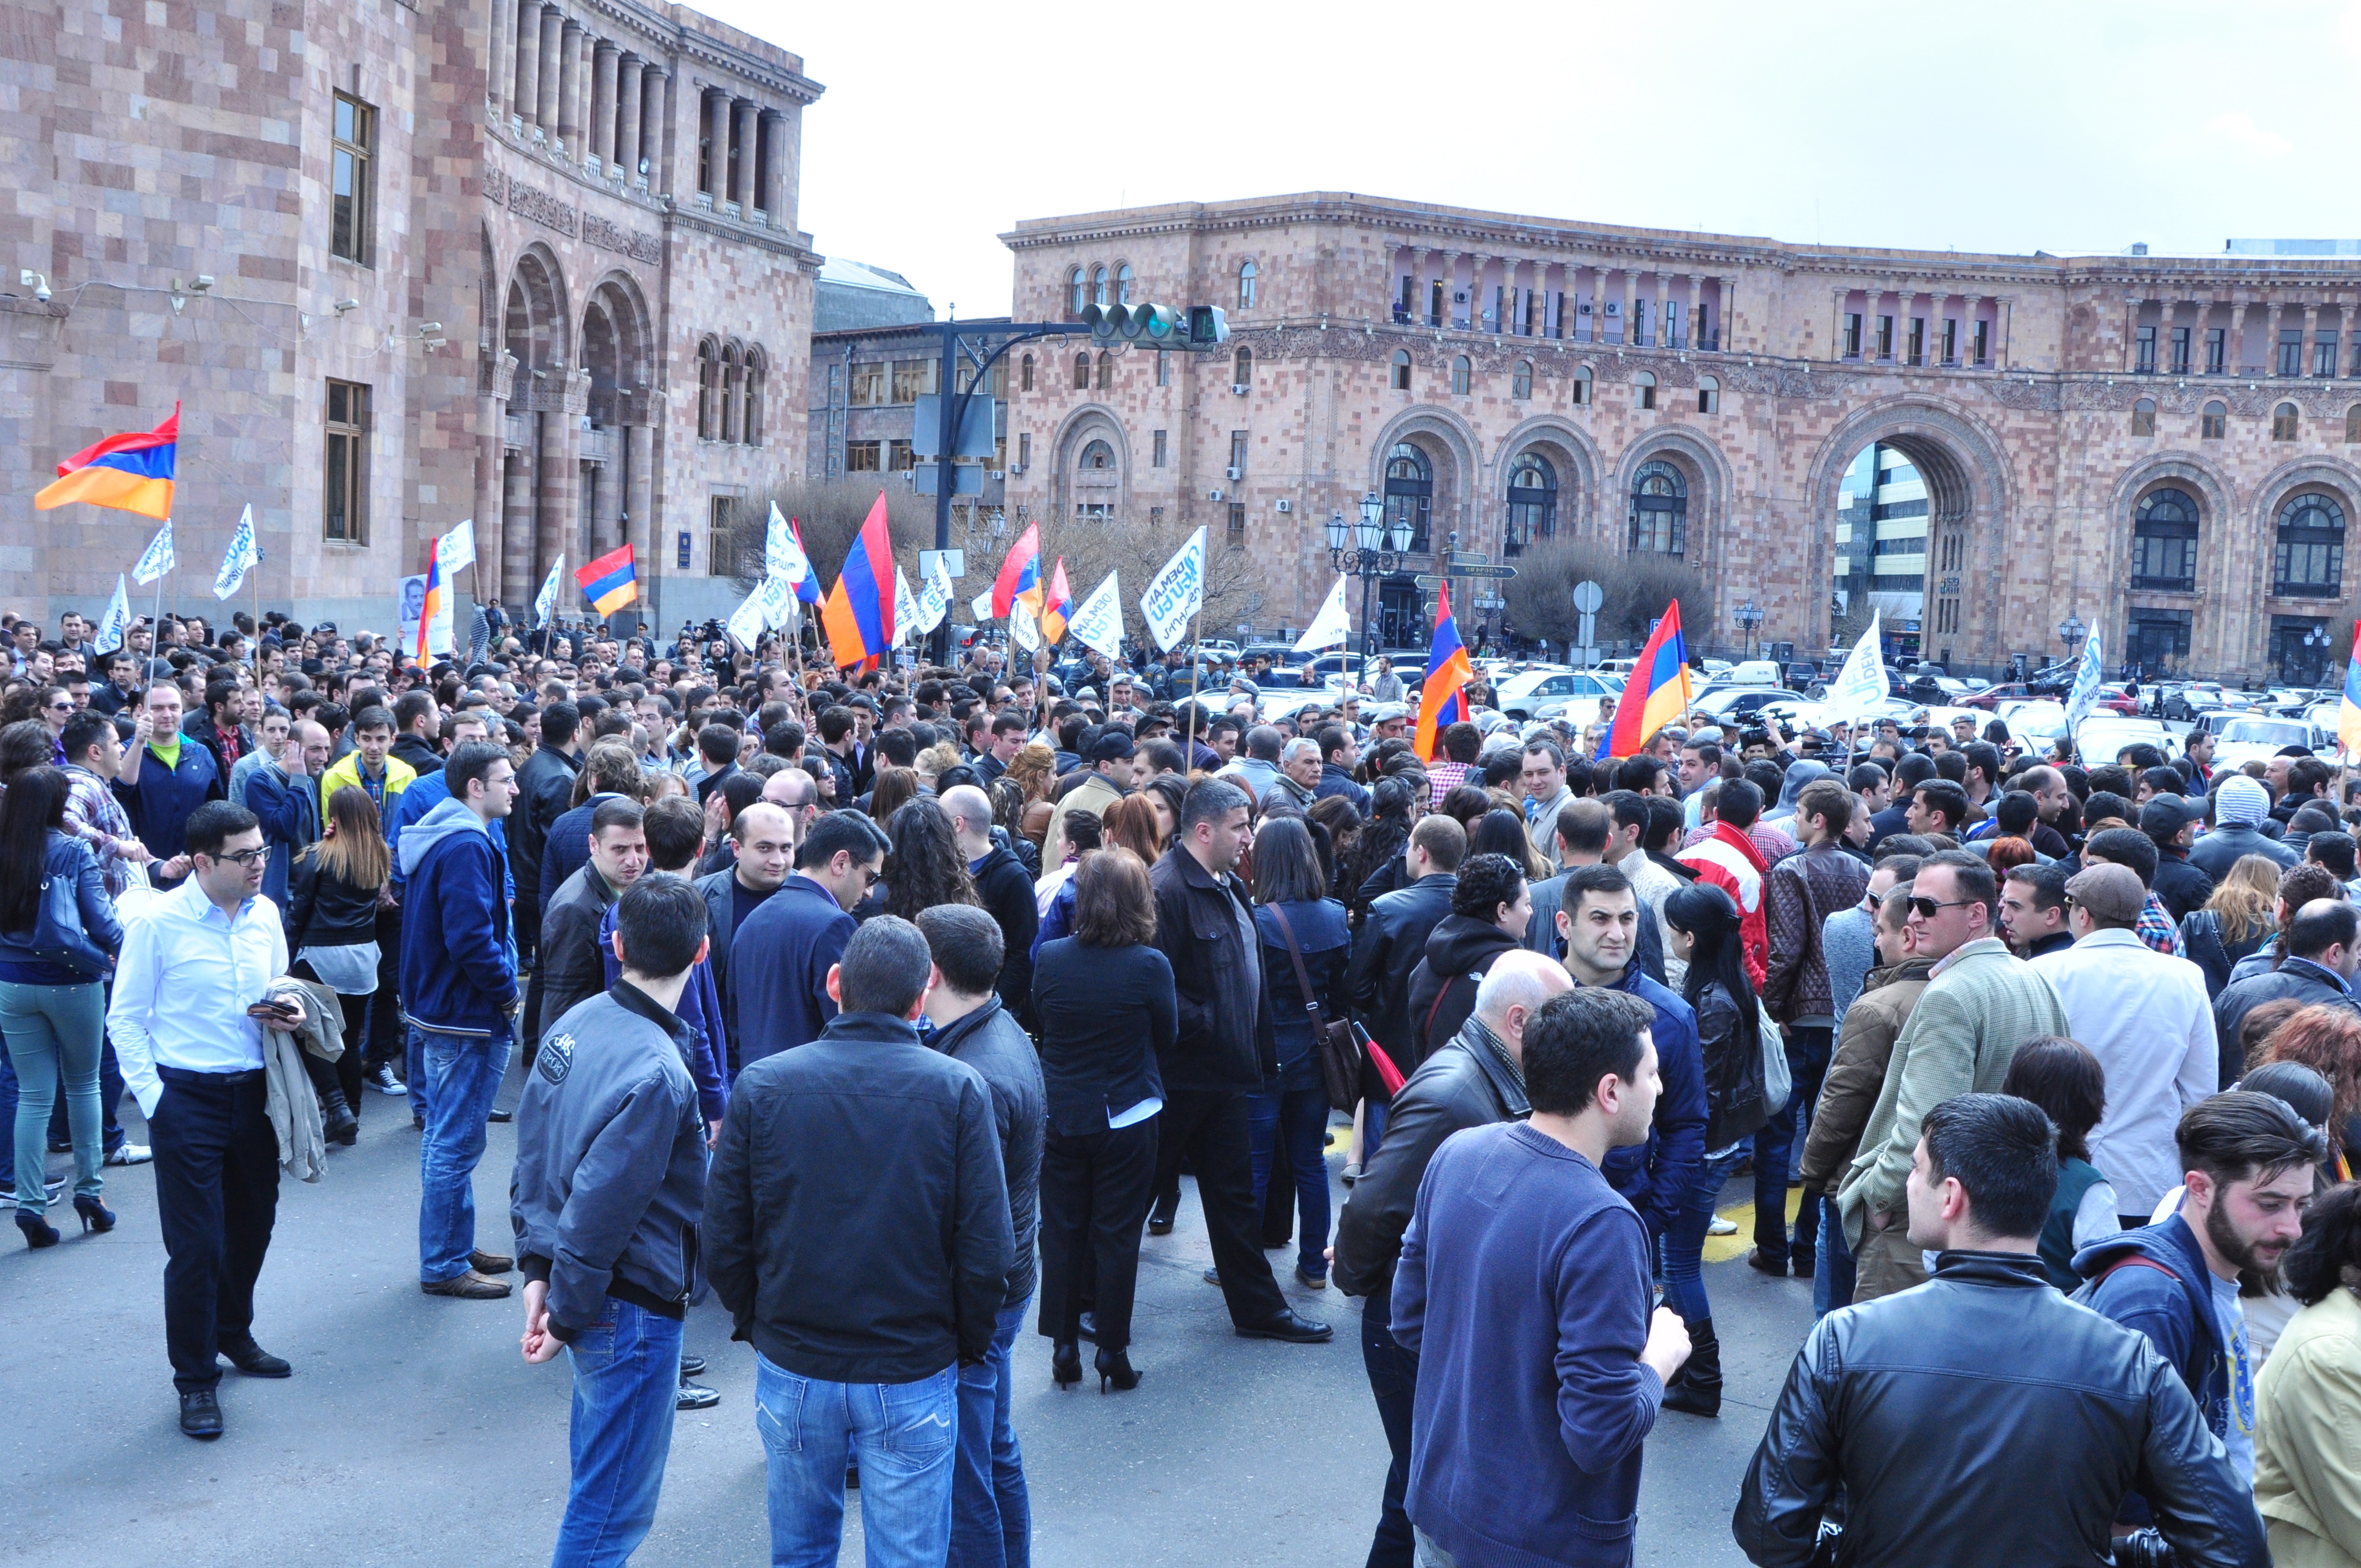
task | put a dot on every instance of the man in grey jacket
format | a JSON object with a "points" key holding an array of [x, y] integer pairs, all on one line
{"points": [[605, 1196]]}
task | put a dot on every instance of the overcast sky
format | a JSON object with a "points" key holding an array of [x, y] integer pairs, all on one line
{"points": [[2065, 125]]}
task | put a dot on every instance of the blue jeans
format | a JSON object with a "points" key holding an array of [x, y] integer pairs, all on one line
{"points": [[1833, 1273], [54, 1034], [462, 1072], [1296, 1120], [1684, 1241], [992, 1516], [1774, 1149], [626, 1382], [906, 1436]]}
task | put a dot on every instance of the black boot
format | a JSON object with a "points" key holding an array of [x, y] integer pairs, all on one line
{"points": [[1697, 1391], [339, 1125]]}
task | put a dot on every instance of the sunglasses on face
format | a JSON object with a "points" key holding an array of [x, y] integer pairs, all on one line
{"points": [[1927, 908]]}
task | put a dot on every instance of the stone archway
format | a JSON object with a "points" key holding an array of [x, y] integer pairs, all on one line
{"points": [[1070, 486], [1579, 469], [1454, 458], [618, 451], [2223, 569]]}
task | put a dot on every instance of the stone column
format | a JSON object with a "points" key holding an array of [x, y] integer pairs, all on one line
{"points": [[552, 34], [774, 167], [525, 105], [1968, 330], [639, 492], [491, 428], [558, 506], [518, 577], [499, 63], [607, 499], [603, 102], [714, 110], [2311, 328], [656, 131], [742, 188], [569, 89], [628, 72]]}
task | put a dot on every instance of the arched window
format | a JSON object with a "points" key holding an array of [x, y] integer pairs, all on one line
{"points": [[752, 412], [2310, 562], [1463, 374], [2353, 425], [1533, 502], [1521, 380], [1660, 510], [2214, 423], [1025, 374], [1401, 369], [1123, 284], [1245, 285], [1643, 390], [2283, 422], [1081, 372], [1242, 368], [1709, 395], [2164, 542], [708, 386], [1582, 382], [1409, 492], [1077, 291], [1099, 287], [2144, 417], [1107, 371], [1098, 455], [733, 388]]}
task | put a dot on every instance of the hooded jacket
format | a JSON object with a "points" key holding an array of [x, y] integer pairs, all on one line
{"points": [[1728, 860], [1653, 1177], [1392, 943], [1459, 953], [2167, 1295], [458, 962]]}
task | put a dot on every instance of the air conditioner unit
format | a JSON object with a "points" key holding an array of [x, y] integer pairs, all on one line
{"points": [[1016, 468], [1286, 505], [1238, 389], [1213, 494], [996, 474], [1235, 475]]}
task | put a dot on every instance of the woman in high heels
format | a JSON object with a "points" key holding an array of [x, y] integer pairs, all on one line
{"points": [[52, 995]]}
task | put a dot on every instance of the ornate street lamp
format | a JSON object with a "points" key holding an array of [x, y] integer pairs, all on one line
{"points": [[1369, 549], [1749, 615], [2071, 631]]}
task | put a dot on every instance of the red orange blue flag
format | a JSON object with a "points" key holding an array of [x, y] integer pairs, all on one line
{"points": [[1020, 575], [609, 583], [1443, 698], [1059, 608], [129, 473], [858, 614], [1657, 693], [2348, 712]]}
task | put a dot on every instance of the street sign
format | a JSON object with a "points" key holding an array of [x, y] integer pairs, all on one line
{"points": [[972, 439], [954, 562], [1587, 596], [1458, 558], [1430, 580]]}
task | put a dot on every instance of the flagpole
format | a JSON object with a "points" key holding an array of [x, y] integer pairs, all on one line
{"points": [[1196, 670]]}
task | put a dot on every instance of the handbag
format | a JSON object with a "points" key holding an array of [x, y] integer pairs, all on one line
{"points": [[1777, 1081], [1334, 1043], [58, 934]]}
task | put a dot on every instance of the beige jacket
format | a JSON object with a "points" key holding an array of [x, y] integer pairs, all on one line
{"points": [[289, 1100], [2308, 1437], [1093, 795]]}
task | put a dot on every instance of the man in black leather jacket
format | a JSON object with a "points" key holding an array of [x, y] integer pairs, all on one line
{"points": [[1393, 939], [1473, 1079], [1983, 1419]]}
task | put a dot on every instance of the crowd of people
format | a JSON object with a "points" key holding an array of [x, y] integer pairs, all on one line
{"points": [[890, 1007]]}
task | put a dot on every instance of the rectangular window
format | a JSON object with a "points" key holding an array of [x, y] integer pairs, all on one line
{"points": [[897, 456], [1157, 448], [2323, 356], [1237, 535], [351, 180], [1982, 342], [835, 381], [2143, 352], [1918, 340], [1000, 453], [2180, 351], [346, 510], [1435, 304], [2217, 341], [913, 378], [1000, 381], [2291, 351], [1853, 334], [1025, 449], [1163, 369], [1407, 302], [1950, 342], [1238, 450], [863, 456], [868, 385], [1886, 337]]}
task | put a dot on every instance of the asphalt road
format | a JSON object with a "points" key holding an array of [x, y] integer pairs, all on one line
{"points": [[412, 1431]]}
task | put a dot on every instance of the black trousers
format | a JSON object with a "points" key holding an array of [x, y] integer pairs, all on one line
{"points": [[1393, 1383], [386, 1038], [217, 1196], [1208, 1128], [1093, 1202]]}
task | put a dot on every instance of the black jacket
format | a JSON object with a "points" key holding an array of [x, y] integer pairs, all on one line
{"points": [[1391, 944], [2211, 949], [566, 848], [720, 930], [1459, 953], [1107, 1016], [545, 790], [2181, 885], [571, 969], [1462, 1085], [989, 1040], [1927, 1408], [323, 910], [2299, 980], [423, 758], [1224, 1040], [856, 1220], [2217, 852], [1006, 893]]}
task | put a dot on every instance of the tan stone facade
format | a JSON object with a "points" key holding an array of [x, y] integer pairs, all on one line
{"points": [[573, 294], [2043, 401]]}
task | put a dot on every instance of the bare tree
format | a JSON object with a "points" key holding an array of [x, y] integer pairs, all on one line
{"points": [[1635, 589]]}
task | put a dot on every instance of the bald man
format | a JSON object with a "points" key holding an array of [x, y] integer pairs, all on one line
{"points": [[797, 790], [1004, 888]]}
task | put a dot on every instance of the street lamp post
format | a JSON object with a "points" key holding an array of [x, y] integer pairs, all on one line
{"points": [[2071, 632], [1369, 549], [1749, 615]]}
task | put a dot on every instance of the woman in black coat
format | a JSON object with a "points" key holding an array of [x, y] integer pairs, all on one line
{"points": [[1104, 1000], [331, 919]]}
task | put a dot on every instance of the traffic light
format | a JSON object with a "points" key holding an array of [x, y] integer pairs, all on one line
{"points": [[1159, 327]]}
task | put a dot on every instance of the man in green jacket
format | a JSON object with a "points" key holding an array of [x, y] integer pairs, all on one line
{"points": [[1981, 1003]]}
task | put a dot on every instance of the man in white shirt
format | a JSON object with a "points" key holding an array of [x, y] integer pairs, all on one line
{"points": [[195, 964], [2147, 1017]]}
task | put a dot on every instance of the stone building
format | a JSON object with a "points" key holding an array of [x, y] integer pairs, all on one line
{"points": [[402, 264], [2164, 446]]}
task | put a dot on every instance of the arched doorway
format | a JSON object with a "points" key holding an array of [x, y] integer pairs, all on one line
{"points": [[1409, 502], [1900, 551], [1532, 503], [1660, 510]]}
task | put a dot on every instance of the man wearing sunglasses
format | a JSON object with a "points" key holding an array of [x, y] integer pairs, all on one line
{"points": [[1980, 1005]]}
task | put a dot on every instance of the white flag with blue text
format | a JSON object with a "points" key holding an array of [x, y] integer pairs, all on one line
{"points": [[2085, 695], [243, 556], [157, 559], [547, 601], [1176, 594], [117, 622]]}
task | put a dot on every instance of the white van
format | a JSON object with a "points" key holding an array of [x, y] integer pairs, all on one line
{"points": [[1752, 672]]}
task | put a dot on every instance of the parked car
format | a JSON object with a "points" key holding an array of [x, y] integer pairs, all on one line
{"points": [[2241, 739], [2101, 739], [1733, 705], [1523, 696], [2035, 719]]}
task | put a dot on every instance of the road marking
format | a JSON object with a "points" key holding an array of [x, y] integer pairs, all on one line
{"points": [[1721, 1249]]}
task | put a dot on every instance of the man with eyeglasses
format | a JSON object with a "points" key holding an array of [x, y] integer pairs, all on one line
{"points": [[1980, 1005]]}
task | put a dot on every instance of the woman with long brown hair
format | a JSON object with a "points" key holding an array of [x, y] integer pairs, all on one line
{"points": [[2235, 921], [331, 919], [2327, 1039], [895, 788]]}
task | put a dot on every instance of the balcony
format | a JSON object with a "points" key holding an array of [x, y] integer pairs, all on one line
{"points": [[599, 445]]}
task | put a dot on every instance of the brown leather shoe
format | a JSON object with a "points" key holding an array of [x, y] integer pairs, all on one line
{"points": [[468, 1287], [489, 1263]]}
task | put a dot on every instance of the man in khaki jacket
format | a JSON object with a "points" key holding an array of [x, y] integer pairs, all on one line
{"points": [[1110, 779]]}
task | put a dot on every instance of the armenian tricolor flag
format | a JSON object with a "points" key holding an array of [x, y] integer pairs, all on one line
{"points": [[2348, 713], [609, 583], [1442, 699], [1060, 605], [1020, 576], [129, 473], [435, 603], [859, 615], [1657, 693]]}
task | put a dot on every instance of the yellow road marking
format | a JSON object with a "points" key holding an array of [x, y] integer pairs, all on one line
{"points": [[1721, 1249]]}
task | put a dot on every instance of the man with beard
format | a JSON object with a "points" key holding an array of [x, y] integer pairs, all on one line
{"points": [[2248, 1162]]}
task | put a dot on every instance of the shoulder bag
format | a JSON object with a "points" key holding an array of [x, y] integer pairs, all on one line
{"points": [[58, 934], [1777, 1081], [1339, 1051]]}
